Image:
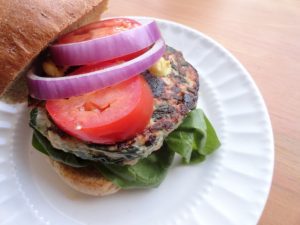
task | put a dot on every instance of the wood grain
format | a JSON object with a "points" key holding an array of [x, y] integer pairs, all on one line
{"points": [[265, 36]]}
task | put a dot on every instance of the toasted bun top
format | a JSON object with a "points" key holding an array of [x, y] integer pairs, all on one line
{"points": [[27, 27]]}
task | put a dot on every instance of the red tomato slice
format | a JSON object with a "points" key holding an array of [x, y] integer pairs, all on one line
{"points": [[105, 64], [101, 29], [98, 29], [106, 116], [94, 67]]}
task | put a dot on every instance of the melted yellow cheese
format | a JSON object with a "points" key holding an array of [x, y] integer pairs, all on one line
{"points": [[52, 70], [161, 68]]}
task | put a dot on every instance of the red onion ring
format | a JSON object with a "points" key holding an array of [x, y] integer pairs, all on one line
{"points": [[106, 48], [64, 87]]}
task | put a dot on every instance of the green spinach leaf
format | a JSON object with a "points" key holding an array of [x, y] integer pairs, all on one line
{"points": [[194, 138], [148, 172], [33, 116], [212, 141]]}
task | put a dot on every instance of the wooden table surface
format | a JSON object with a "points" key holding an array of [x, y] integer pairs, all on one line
{"points": [[265, 37]]}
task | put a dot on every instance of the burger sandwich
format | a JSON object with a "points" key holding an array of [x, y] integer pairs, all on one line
{"points": [[110, 101]]}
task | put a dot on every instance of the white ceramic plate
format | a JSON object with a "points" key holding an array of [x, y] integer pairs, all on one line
{"points": [[230, 187]]}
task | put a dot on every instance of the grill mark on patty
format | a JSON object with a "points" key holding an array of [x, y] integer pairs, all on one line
{"points": [[174, 96], [157, 85]]}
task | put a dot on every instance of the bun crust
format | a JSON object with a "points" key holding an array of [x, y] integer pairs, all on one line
{"points": [[85, 180], [27, 27]]}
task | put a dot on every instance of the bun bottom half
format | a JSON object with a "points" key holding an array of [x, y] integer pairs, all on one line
{"points": [[86, 180]]}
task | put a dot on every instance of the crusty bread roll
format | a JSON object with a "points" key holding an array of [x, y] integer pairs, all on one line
{"points": [[85, 180], [27, 27]]}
